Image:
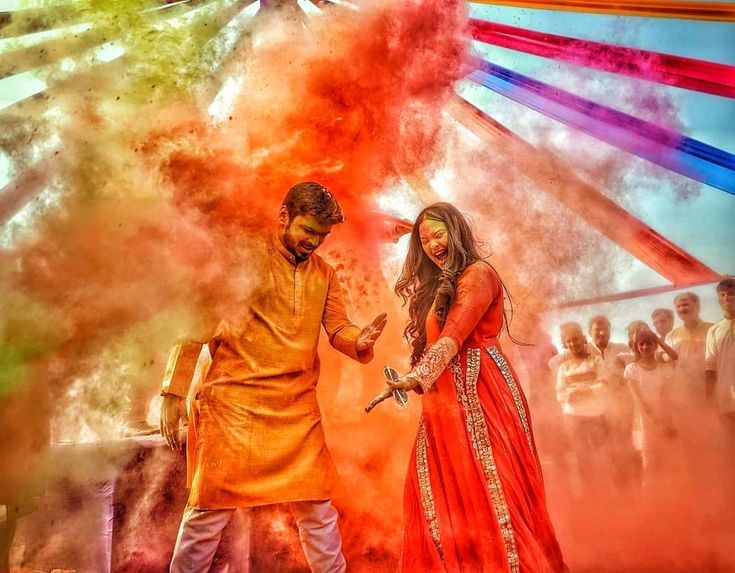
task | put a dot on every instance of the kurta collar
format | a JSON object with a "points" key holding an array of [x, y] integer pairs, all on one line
{"points": [[283, 251]]}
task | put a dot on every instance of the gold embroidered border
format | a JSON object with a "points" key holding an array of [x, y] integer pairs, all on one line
{"points": [[427, 497], [480, 439], [502, 364], [433, 363], [462, 399]]}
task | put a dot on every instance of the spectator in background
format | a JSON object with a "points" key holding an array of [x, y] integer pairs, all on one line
{"points": [[650, 382], [664, 352], [619, 411], [663, 321], [720, 360], [628, 355], [599, 331], [688, 340], [582, 392], [695, 422]]}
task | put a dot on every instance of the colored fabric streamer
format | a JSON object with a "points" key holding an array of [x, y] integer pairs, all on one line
{"points": [[637, 293], [553, 176], [698, 75], [717, 11], [669, 149]]}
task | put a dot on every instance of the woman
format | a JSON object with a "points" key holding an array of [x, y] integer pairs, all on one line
{"points": [[650, 382], [474, 497]]}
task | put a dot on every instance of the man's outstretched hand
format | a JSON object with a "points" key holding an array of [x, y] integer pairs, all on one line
{"points": [[371, 333]]}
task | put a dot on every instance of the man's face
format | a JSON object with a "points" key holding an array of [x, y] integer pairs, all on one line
{"points": [[576, 343], [687, 308], [302, 235], [600, 333], [663, 322], [726, 298]]}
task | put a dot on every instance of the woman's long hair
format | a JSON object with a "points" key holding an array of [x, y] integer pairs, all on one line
{"points": [[422, 283]]}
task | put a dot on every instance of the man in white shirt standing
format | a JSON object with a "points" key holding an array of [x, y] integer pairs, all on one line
{"points": [[720, 360], [599, 330], [619, 410], [688, 341]]}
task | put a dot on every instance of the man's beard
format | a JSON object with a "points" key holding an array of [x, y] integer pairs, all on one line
{"points": [[295, 249], [301, 258]]}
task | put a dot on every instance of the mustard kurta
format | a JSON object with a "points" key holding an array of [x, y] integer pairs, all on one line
{"points": [[259, 437]]}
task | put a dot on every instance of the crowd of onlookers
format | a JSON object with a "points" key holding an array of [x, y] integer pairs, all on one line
{"points": [[636, 407]]}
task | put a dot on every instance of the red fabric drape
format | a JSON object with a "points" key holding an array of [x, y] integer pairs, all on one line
{"points": [[689, 73], [719, 11]]}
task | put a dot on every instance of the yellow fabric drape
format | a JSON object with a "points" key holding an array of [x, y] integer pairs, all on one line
{"points": [[717, 11]]}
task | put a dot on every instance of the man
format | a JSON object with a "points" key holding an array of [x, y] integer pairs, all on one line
{"points": [[688, 341], [582, 392], [619, 411], [663, 321], [720, 359], [599, 331], [257, 438]]}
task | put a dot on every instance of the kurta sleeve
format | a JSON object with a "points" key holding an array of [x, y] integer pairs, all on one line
{"points": [[342, 332], [710, 351], [477, 287], [669, 341], [180, 368], [182, 363]]}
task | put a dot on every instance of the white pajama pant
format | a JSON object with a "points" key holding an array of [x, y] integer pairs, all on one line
{"points": [[201, 531]]}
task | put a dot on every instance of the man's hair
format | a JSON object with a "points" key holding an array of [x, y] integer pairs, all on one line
{"points": [[598, 318], [309, 198], [693, 296], [569, 328], [726, 284], [667, 311]]}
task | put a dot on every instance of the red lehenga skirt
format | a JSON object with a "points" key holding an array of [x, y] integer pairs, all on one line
{"points": [[474, 497]]}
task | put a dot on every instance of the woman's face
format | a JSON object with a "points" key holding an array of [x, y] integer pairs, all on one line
{"points": [[434, 239]]}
